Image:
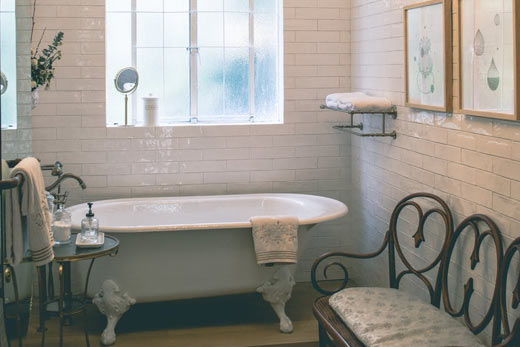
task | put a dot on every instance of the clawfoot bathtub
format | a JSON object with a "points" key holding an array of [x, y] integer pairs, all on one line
{"points": [[189, 247]]}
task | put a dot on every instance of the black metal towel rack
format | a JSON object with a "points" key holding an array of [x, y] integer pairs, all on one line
{"points": [[348, 128]]}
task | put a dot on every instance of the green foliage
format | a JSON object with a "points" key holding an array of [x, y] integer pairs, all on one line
{"points": [[42, 64]]}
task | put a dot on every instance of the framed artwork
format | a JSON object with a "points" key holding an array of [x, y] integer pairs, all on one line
{"points": [[489, 58], [428, 70]]}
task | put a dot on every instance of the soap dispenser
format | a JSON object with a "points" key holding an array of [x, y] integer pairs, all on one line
{"points": [[89, 227]]}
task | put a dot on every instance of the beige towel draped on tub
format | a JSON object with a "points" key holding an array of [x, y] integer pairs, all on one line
{"points": [[275, 239], [27, 216]]}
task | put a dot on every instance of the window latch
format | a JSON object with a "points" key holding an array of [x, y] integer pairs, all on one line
{"points": [[193, 49]]}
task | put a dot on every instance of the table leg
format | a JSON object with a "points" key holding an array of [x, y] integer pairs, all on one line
{"points": [[42, 302], [68, 292], [50, 284], [61, 300], [85, 328]]}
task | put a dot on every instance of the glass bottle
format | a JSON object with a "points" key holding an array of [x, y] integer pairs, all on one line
{"points": [[61, 225], [89, 227]]}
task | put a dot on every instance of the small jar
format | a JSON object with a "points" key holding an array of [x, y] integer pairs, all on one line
{"points": [[89, 227], [61, 226]]}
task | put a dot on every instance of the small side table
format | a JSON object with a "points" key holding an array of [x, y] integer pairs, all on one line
{"points": [[69, 306]]}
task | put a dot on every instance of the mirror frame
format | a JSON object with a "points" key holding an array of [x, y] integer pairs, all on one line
{"points": [[136, 80], [4, 82]]}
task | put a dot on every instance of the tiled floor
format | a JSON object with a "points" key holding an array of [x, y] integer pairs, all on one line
{"points": [[244, 320]]}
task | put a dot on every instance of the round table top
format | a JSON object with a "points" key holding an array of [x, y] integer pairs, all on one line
{"points": [[70, 253]]}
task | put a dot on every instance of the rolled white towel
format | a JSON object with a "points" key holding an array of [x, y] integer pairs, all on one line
{"points": [[358, 102]]}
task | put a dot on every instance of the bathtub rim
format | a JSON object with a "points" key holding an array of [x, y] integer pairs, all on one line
{"points": [[338, 210]]}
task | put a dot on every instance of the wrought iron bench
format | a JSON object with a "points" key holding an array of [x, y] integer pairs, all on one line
{"points": [[339, 328]]}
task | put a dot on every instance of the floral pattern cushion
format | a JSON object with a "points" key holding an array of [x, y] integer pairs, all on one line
{"points": [[389, 317]]}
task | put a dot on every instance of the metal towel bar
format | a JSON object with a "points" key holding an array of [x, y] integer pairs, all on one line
{"points": [[348, 128]]}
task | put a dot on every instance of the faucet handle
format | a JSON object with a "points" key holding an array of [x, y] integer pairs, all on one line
{"points": [[58, 169]]}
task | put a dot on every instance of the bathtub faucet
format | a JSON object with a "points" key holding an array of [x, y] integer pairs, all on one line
{"points": [[64, 177]]}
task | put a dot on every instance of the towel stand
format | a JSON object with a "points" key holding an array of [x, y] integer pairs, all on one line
{"points": [[8, 271], [348, 128]]}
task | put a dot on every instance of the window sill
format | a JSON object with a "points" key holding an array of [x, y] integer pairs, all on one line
{"points": [[188, 124]]}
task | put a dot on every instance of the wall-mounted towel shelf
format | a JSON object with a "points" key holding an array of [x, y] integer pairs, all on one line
{"points": [[392, 112]]}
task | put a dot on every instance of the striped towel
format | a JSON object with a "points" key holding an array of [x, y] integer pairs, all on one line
{"points": [[275, 239], [28, 219]]}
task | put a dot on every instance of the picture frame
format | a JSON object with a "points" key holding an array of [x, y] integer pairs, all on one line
{"points": [[489, 58], [428, 55]]}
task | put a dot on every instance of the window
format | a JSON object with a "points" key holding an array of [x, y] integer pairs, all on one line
{"points": [[209, 61], [8, 63]]}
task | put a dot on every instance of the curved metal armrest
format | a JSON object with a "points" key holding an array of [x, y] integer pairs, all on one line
{"points": [[326, 256], [513, 338]]}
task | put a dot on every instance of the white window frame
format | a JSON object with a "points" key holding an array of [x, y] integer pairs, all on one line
{"points": [[193, 66]]}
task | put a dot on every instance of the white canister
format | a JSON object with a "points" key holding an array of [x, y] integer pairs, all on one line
{"points": [[151, 110]]}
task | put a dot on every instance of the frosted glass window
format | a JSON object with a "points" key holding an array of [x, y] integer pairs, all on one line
{"points": [[217, 61], [8, 66], [237, 5]]}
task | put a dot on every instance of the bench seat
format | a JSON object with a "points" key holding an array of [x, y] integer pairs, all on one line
{"points": [[392, 318]]}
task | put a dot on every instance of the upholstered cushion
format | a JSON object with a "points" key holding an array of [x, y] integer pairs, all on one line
{"points": [[389, 317]]}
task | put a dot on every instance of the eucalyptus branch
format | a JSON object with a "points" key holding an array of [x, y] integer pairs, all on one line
{"points": [[33, 20], [39, 42]]}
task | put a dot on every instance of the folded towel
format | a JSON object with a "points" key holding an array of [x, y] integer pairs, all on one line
{"points": [[358, 102], [275, 239], [28, 220]]}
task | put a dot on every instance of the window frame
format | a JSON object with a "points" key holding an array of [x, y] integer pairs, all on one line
{"points": [[193, 50]]}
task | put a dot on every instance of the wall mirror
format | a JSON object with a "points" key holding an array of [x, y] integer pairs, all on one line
{"points": [[126, 82]]}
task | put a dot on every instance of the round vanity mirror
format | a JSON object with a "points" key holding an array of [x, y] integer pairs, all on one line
{"points": [[3, 83], [126, 80]]}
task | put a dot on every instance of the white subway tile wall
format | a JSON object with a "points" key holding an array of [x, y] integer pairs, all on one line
{"points": [[304, 155], [16, 143], [468, 161]]}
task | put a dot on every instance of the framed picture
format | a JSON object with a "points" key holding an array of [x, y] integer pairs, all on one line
{"points": [[428, 63], [489, 58]]}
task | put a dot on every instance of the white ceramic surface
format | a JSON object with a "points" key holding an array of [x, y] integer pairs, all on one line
{"points": [[206, 212], [189, 247]]}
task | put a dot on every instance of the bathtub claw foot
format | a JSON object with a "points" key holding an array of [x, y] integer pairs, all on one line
{"points": [[277, 292], [113, 305]]}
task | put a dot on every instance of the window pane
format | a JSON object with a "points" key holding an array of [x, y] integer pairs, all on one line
{"points": [[236, 81], [176, 104], [7, 5], [151, 76], [210, 5], [118, 5], [118, 56], [176, 30], [266, 30], [8, 59], [237, 29], [149, 30], [210, 28], [210, 82], [265, 6], [266, 66], [265, 83], [236, 5], [149, 5], [176, 5]]}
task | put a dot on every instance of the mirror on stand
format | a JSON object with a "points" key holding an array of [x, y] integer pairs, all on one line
{"points": [[126, 83]]}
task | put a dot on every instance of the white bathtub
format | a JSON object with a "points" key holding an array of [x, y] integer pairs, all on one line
{"points": [[188, 247]]}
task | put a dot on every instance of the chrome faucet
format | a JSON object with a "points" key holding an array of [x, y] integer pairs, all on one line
{"points": [[63, 178]]}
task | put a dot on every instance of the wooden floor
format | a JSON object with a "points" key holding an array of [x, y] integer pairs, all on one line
{"points": [[234, 321]]}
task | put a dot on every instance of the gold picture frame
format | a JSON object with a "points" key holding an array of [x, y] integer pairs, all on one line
{"points": [[425, 80], [481, 112]]}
